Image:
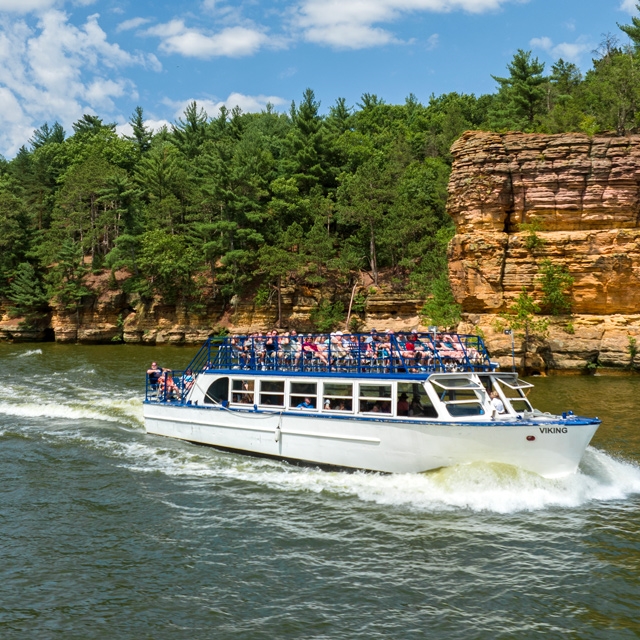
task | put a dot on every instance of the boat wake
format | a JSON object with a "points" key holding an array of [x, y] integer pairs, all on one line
{"points": [[478, 487]]}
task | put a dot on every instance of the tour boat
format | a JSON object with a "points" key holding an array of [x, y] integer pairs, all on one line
{"points": [[393, 403]]}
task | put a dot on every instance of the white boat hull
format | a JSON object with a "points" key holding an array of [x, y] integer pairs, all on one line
{"points": [[550, 448]]}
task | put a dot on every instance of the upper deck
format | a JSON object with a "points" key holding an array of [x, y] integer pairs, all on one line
{"points": [[374, 354]]}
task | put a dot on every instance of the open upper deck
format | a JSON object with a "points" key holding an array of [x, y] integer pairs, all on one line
{"points": [[337, 353]]}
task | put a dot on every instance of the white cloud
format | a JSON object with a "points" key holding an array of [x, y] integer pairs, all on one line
{"points": [[56, 71], [125, 128], [232, 42], [629, 6], [433, 41], [351, 24], [248, 104], [133, 23], [26, 6], [572, 52]]}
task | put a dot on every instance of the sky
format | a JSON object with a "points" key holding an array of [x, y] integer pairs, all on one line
{"points": [[60, 59]]}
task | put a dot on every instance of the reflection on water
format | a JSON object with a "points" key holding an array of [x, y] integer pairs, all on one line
{"points": [[109, 532]]}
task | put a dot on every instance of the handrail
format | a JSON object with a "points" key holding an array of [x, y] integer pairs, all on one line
{"points": [[335, 353]]}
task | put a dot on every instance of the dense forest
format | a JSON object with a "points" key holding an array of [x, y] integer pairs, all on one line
{"points": [[250, 203]]}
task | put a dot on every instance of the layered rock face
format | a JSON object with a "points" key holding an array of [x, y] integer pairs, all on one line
{"points": [[580, 199]]}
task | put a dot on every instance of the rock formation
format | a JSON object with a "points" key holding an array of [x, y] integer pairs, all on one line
{"points": [[579, 197]]}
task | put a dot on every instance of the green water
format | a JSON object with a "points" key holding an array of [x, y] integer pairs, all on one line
{"points": [[106, 532]]}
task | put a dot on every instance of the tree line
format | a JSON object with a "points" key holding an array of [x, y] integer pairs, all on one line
{"points": [[216, 208]]}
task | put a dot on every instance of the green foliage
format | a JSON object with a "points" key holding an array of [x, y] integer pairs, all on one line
{"points": [[28, 295], [521, 318], [66, 278], [262, 297], [555, 281], [532, 241], [569, 328], [441, 308], [326, 316], [632, 349], [520, 98]]}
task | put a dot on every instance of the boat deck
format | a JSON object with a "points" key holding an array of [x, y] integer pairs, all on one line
{"points": [[336, 354]]}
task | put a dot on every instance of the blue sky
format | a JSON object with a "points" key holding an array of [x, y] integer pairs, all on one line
{"points": [[60, 59]]}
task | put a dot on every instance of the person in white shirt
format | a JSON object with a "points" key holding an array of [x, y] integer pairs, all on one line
{"points": [[498, 405]]}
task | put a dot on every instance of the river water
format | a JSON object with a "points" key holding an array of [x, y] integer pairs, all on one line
{"points": [[106, 532]]}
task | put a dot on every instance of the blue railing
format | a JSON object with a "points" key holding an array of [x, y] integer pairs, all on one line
{"points": [[336, 353]]}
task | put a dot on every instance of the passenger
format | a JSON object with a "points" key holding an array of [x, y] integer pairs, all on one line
{"points": [[416, 408], [307, 404], [498, 405], [187, 380], [327, 404], [154, 374], [403, 405]]}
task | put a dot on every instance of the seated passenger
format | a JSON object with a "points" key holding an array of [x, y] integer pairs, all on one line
{"points": [[307, 404], [154, 374], [403, 405]]}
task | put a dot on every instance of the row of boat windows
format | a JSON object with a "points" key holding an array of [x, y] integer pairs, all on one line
{"points": [[412, 399]]}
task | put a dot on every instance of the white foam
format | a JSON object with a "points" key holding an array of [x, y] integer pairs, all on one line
{"points": [[476, 487], [53, 410], [31, 352]]}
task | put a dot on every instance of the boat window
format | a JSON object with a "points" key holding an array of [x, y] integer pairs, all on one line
{"points": [[462, 402], [514, 392], [217, 391], [242, 391], [301, 391], [375, 398], [420, 405], [337, 396], [272, 393], [455, 383]]}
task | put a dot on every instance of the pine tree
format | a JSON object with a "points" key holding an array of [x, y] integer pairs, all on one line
{"points": [[27, 294], [521, 95], [633, 29], [141, 135]]}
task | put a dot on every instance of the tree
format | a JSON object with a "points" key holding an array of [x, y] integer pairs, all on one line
{"points": [[141, 135], [27, 294], [633, 30], [441, 308], [46, 135], [190, 132], [67, 276], [521, 95], [169, 263], [555, 281], [521, 317]]}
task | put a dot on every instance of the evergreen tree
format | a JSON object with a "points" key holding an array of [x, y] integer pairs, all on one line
{"points": [[27, 294], [141, 135], [190, 131], [633, 29], [521, 95]]}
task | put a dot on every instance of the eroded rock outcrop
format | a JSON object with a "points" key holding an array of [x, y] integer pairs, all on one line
{"points": [[580, 198]]}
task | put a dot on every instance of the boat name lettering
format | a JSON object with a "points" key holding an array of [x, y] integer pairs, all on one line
{"points": [[553, 430]]}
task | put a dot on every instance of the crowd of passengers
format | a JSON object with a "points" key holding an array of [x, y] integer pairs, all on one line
{"points": [[408, 349]]}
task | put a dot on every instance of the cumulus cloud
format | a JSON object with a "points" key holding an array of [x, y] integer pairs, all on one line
{"points": [[248, 104], [569, 51], [354, 24], [628, 5], [57, 71], [232, 42], [26, 6], [125, 128]]}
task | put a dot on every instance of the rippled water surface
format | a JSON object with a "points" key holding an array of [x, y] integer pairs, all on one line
{"points": [[109, 533]]}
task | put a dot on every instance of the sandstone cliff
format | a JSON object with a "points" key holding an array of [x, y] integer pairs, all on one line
{"points": [[581, 196]]}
